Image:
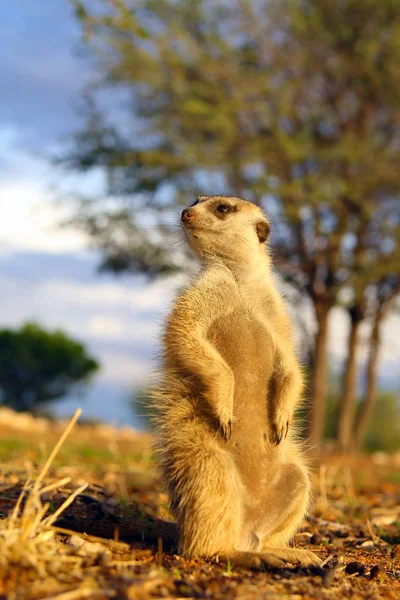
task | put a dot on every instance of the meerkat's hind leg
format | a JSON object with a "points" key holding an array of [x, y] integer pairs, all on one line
{"points": [[206, 499], [275, 558], [295, 484], [252, 560], [281, 507], [285, 507], [296, 489], [295, 556]]}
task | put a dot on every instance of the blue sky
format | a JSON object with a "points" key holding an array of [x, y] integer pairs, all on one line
{"points": [[41, 73], [49, 274]]}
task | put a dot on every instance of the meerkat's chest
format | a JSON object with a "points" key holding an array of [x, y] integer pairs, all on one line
{"points": [[247, 346]]}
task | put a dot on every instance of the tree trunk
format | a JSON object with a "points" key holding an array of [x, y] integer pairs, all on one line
{"points": [[319, 375], [367, 405], [347, 402]]}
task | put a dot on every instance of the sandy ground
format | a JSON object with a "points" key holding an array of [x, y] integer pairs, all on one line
{"points": [[107, 544]]}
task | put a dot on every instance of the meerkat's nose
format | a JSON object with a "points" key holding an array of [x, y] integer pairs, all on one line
{"points": [[187, 216]]}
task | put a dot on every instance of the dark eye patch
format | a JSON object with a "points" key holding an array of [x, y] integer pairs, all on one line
{"points": [[196, 202], [223, 208]]}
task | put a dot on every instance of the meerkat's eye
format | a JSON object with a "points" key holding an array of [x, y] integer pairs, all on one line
{"points": [[223, 208]]}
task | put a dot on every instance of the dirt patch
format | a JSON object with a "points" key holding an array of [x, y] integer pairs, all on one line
{"points": [[115, 539]]}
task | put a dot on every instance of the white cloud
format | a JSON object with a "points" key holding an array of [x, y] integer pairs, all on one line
{"points": [[113, 328], [338, 333], [101, 314], [159, 293], [104, 294], [29, 184], [123, 369], [30, 221], [116, 294], [16, 164], [389, 353], [108, 327]]}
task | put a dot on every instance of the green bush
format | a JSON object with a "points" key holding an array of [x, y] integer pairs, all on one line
{"points": [[39, 366]]}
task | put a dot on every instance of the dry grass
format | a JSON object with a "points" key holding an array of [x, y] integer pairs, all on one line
{"points": [[27, 537], [354, 525]]}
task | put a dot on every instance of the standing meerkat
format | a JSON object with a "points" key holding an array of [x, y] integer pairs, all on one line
{"points": [[237, 480]]}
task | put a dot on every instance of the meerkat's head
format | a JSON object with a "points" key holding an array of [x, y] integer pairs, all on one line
{"points": [[226, 227]]}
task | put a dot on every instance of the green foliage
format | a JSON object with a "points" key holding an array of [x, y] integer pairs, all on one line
{"points": [[384, 428], [285, 100], [10, 448], [38, 366], [293, 104], [383, 432]]}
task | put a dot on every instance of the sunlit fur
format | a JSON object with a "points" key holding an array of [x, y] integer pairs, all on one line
{"points": [[237, 480]]}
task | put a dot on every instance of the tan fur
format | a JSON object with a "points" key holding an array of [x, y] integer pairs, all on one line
{"points": [[236, 477]]}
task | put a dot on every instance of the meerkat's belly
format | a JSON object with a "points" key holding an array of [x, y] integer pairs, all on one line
{"points": [[247, 347]]}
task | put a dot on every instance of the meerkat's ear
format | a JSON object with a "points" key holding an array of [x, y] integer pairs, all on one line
{"points": [[262, 229]]}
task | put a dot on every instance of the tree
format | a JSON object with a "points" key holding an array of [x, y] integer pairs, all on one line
{"points": [[373, 285], [285, 102], [386, 293], [38, 366], [370, 298]]}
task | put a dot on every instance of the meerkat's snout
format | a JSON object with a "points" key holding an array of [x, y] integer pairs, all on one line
{"points": [[187, 216]]}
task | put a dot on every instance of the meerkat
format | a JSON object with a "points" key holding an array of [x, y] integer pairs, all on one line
{"points": [[237, 480]]}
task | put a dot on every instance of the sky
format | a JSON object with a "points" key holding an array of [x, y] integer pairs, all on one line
{"points": [[49, 274]]}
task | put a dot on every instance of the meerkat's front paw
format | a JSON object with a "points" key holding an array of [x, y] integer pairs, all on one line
{"points": [[280, 425], [221, 398], [225, 416]]}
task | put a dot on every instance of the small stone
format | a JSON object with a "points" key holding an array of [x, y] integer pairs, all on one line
{"points": [[76, 541], [367, 544], [375, 572], [395, 552], [316, 539], [360, 533], [103, 558], [340, 533], [354, 567]]}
